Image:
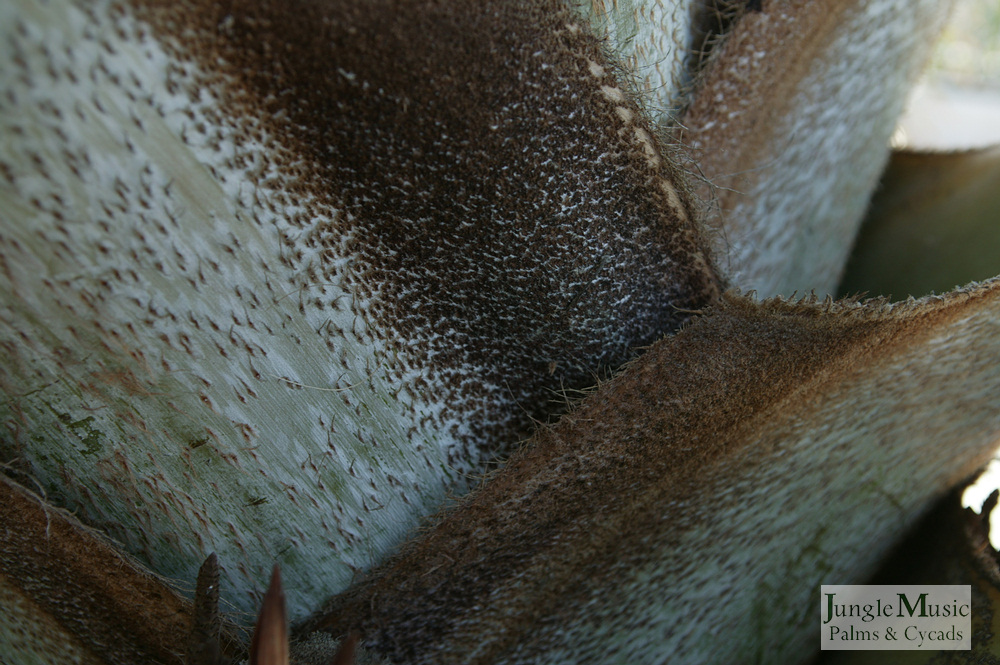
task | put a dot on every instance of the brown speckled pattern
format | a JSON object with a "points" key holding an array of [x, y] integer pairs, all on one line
{"points": [[511, 226]]}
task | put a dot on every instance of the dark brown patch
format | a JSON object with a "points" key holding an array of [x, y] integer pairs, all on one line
{"points": [[503, 217]]}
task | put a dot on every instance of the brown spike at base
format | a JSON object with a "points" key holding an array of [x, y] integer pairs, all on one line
{"points": [[345, 654], [270, 636], [203, 644]]}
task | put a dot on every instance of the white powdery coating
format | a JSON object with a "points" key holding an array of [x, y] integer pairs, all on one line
{"points": [[286, 437]]}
